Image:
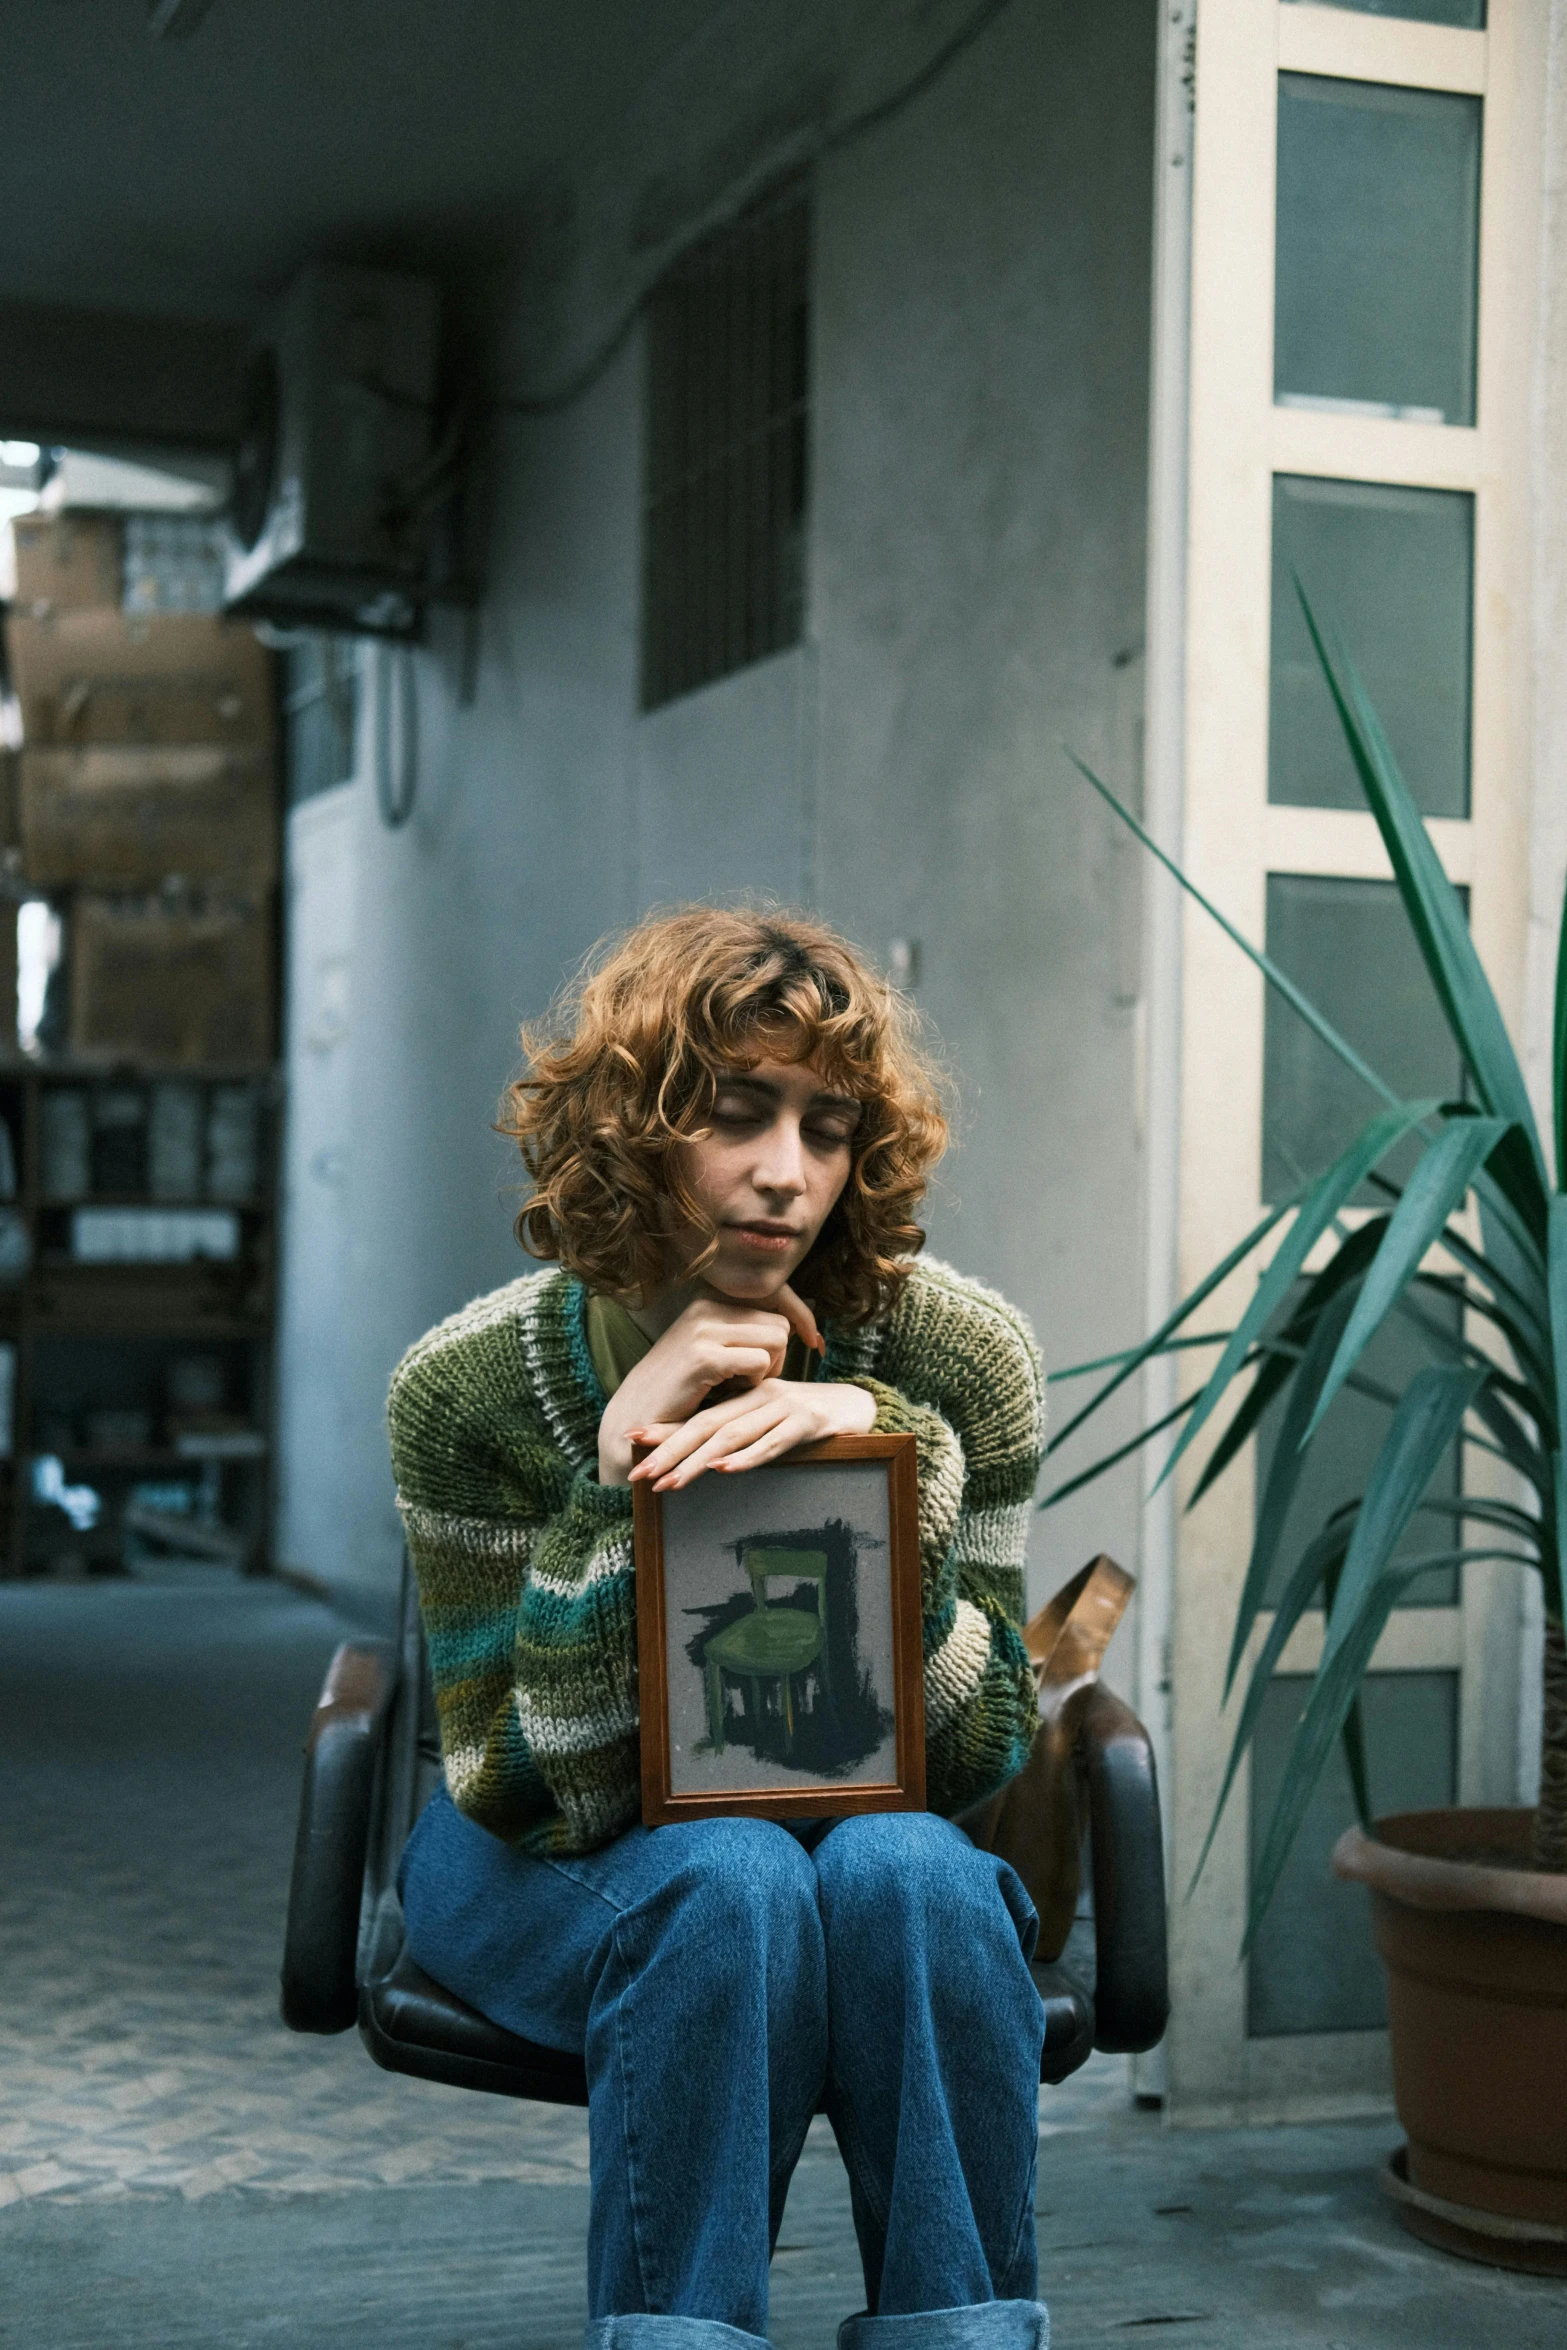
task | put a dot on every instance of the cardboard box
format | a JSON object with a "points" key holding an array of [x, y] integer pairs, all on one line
{"points": [[172, 986], [128, 817], [8, 984], [105, 677], [67, 563], [10, 799]]}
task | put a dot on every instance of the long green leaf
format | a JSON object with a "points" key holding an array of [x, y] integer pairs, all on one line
{"points": [[1435, 1189], [1282, 1356], [1338, 1682], [1435, 911], [1327, 1195], [1486, 1444], [1125, 1353], [1284, 1472], [1514, 1273], [1133, 1444], [1506, 1406], [1559, 1057], [1429, 1415], [1353, 1734], [1275, 1353], [1514, 1170], [1485, 1512], [1511, 1247], [1525, 1394], [1276, 978], [1556, 1600], [1520, 1318], [1188, 1305], [1324, 1551], [1278, 1368], [1535, 1379]]}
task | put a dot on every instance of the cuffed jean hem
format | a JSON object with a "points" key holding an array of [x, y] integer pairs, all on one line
{"points": [[640, 2331], [982, 2325]]}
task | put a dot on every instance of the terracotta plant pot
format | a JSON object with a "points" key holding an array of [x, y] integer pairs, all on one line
{"points": [[1476, 1958]]}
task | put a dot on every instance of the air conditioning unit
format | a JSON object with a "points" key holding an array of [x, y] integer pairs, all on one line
{"points": [[338, 469]]}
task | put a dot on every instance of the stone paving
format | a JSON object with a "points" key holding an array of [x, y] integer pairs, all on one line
{"points": [[144, 1850], [178, 2172], [143, 1869]]}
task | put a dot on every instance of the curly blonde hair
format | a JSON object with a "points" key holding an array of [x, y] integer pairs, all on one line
{"points": [[625, 1070]]}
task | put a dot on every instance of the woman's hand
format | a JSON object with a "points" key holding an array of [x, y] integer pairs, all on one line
{"points": [[746, 1430], [712, 1342]]}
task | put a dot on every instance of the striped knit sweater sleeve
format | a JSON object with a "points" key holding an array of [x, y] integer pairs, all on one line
{"points": [[524, 1560], [524, 1567], [957, 1367]]}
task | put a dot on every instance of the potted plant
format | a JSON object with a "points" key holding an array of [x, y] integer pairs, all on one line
{"points": [[1470, 1907]]}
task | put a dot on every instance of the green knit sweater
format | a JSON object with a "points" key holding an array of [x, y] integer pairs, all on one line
{"points": [[525, 1567]]}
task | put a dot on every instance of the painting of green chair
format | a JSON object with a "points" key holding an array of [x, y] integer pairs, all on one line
{"points": [[772, 1646]]}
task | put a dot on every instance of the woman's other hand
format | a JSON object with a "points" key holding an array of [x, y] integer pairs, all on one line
{"points": [[710, 1343], [746, 1430]]}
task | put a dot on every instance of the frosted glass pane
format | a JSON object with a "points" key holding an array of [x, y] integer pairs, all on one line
{"points": [[1339, 1460], [1469, 14], [1350, 947], [1313, 1966], [1376, 248], [1392, 571]]}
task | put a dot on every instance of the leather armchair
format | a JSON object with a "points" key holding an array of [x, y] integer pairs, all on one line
{"points": [[372, 1757]]}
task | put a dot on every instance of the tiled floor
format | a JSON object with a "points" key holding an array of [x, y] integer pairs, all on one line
{"points": [[150, 1754], [180, 2173], [143, 1871]]}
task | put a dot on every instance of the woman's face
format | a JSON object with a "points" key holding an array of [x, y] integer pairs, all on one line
{"points": [[769, 1172]]}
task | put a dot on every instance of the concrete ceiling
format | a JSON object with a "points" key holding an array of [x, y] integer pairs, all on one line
{"points": [[191, 177]]}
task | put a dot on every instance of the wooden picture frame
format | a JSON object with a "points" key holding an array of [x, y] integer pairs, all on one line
{"points": [[821, 1715]]}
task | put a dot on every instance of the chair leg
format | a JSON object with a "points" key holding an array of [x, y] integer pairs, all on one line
{"points": [[715, 1708], [788, 1711]]}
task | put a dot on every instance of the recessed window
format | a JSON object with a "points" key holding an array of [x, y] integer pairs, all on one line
{"points": [[1313, 1966], [1340, 1455], [1377, 255], [726, 456], [1390, 571], [1349, 946]]}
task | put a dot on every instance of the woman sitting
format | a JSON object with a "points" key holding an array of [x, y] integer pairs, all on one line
{"points": [[728, 1137]]}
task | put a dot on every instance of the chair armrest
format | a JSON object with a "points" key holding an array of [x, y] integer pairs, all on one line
{"points": [[321, 1938], [1066, 1986], [1131, 1982]]}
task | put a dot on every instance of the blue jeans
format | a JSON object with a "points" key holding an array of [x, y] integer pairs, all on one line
{"points": [[723, 1977]]}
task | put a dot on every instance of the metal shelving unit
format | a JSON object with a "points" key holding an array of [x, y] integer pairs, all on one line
{"points": [[103, 1338]]}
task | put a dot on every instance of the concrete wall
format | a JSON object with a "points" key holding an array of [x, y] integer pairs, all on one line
{"points": [[975, 599]]}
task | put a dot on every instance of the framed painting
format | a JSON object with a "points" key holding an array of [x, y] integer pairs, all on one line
{"points": [[778, 1637]]}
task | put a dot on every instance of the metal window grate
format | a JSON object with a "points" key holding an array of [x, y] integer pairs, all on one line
{"points": [[727, 419]]}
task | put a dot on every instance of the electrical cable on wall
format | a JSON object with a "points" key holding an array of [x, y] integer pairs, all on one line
{"points": [[396, 735], [830, 143]]}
